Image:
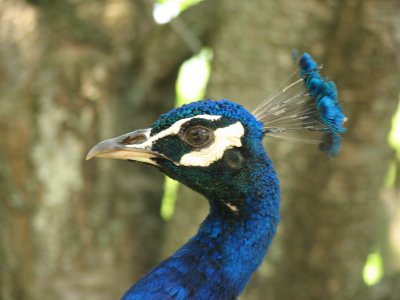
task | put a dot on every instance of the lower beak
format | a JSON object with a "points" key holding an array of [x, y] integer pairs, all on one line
{"points": [[130, 146]]}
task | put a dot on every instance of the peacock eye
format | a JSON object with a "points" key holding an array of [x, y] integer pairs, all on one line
{"points": [[198, 136]]}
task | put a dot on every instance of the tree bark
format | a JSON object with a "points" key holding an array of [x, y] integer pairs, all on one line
{"points": [[72, 74], [331, 213]]}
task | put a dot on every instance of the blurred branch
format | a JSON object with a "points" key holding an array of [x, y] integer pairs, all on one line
{"points": [[187, 36], [167, 47]]}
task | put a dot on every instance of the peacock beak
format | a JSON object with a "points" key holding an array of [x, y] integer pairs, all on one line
{"points": [[135, 146]]}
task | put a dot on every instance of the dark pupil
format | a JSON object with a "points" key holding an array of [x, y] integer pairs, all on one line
{"points": [[198, 136]]}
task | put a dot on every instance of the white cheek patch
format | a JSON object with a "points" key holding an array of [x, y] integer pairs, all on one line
{"points": [[224, 139]]}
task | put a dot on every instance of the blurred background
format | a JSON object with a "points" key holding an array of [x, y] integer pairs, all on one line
{"points": [[73, 73]]}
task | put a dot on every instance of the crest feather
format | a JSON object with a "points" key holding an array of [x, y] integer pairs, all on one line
{"points": [[306, 110]]}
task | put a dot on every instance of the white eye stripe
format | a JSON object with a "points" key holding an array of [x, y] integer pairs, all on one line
{"points": [[172, 130], [225, 138]]}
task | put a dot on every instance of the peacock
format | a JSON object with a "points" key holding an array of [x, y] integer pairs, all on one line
{"points": [[215, 148]]}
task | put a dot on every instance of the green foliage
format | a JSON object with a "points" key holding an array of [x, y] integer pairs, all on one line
{"points": [[391, 174], [183, 4], [165, 10], [394, 142], [193, 77], [169, 198], [394, 135], [373, 268]]}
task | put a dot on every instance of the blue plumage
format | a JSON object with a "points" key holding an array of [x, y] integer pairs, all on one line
{"points": [[329, 110], [219, 260], [306, 110], [215, 148]]}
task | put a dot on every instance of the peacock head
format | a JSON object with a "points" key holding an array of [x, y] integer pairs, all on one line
{"points": [[204, 145]]}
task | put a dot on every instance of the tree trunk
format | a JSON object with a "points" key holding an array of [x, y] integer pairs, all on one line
{"points": [[71, 74], [331, 213]]}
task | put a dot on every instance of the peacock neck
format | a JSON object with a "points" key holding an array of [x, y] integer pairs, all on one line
{"points": [[229, 246], [234, 238]]}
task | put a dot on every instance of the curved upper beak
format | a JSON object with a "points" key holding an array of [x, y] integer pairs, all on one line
{"points": [[134, 145]]}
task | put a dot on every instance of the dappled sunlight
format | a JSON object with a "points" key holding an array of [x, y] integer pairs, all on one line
{"points": [[193, 77], [394, 135], [19, 41], [373, 269], [169, 198], [392, 190], [165, 10]]}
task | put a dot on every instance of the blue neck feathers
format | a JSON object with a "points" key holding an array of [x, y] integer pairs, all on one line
{"points": [[230, 244]]}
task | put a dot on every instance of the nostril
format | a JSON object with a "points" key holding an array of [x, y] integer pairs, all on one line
{"points": [[132, 140]]}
